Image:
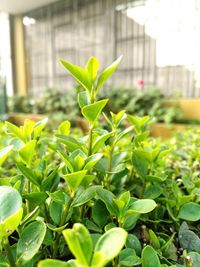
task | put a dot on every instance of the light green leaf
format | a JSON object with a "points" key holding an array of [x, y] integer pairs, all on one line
{"points": [[83, 99], [92, 67], [80, 243], [100, 140], [52, 263], [107, 73], [39, 126], [70, 142], [190, 212], [64, 128], [29, 174], [10, 210], [80, 74], [30, 241], [141, 206], [4, 152], [91, 112], [27, 152], [92, 161], [74, 179], [84, 196], [110, 244], [16, 131]]}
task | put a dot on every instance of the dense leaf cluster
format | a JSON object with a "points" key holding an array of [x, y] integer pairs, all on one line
{"points": [[110, 198]]}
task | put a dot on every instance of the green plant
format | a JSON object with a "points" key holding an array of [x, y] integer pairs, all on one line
{"points": [[103, 199]]}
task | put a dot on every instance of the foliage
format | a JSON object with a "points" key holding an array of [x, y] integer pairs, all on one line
{"points": [[110, 198], [150, 101], [57, 104]]}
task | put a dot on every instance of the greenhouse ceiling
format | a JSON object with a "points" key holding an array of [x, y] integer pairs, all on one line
{"points": [[21, 6]]}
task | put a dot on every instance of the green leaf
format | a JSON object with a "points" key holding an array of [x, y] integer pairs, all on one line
{"points": [[117, 118], [100, 213], [80, 243], [128, 257], [64, 128], [92, 67], [109, 245], [140, 163], [39, 126], [141, 206], [30, 241], [150, 257], [4, 152], [107, 73], [68, 160], [195, 258], [190, 212], [83, 99], [48, 182], [10, 210], [92, 160], [80, 74], [100, 140], [16, 131], [52, 263], [188, 239], [58, 197], [74, 263], [29, 174], [70, 142], [107, 197], [83, 196], [153, 191], [27, 152], [154, 239], [36, 198], [124, 133], [74, 179], [91, 112], [134, 243]]}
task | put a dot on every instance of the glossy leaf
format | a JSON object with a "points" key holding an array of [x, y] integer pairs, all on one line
{"points": [[150, 257], [92, 67], [74, 179], [10, 210], [128, 257], [27, 152], [80, 243], [103, 77], [110, 244], [83, 196], [29, 174], [91, 112], [64, 128], [83, 99], [190, 212], [142, 206], [16, 131], [4, 152], [80, 74], [30, 241], [38, 127], [52, 263]]}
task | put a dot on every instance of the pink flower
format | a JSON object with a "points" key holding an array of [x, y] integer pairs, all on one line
{"points": [[140, 83]]}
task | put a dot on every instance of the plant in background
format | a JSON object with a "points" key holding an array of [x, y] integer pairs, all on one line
{"points": [[103, 199]]}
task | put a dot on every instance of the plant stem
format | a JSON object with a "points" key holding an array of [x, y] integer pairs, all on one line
{"points": [[9, 253], [109, 167], [90, 141], [62, 222]]}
